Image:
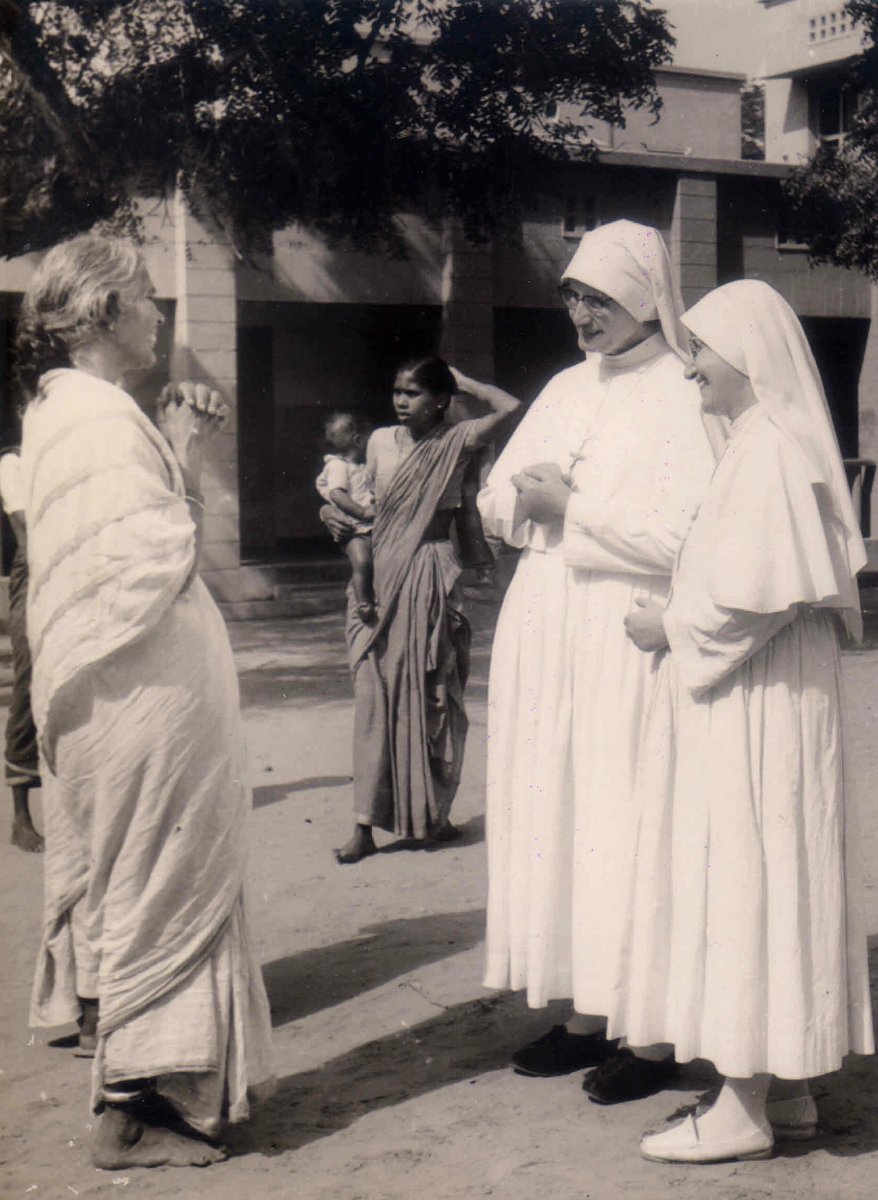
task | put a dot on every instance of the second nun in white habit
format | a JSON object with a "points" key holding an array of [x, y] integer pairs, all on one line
{"points": [[597, 487], [747, 944]]}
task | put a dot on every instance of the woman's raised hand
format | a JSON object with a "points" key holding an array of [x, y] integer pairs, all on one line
{"points": [[190, 415], [502, 406], [464, 383]]}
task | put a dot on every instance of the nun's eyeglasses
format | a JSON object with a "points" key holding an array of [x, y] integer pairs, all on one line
{"points": [[572, 298]]}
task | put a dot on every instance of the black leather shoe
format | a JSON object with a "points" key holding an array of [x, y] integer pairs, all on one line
{"points": [[627, 1077], [560, 1053]]}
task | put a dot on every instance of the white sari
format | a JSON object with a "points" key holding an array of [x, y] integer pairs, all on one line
{"points": [[146, 801]]}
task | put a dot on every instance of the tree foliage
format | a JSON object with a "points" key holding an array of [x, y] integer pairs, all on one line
{"points": [[753, 121], [336, 113], [834, 198]]}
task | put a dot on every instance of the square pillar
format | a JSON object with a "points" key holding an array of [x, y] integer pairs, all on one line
{"points": [[467, 303], [205, 350], [693, 236]]}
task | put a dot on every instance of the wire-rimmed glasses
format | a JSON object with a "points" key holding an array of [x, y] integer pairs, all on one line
{"points": [[596, 305]]}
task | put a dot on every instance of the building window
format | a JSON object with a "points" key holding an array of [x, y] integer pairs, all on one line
{"points": [[789, 237], [580, 215], [835, 108], [832, 24]]}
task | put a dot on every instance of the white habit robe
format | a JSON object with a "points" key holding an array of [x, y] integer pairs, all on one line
{"points": [[568, 690], [745, 942]]}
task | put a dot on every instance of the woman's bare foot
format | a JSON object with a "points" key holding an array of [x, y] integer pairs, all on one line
{"points": [[25, 836], [123, 1141], [361, 845], [446, 832]]}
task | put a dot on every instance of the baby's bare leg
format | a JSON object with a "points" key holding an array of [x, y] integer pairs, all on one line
{"points": [[359, 552]]}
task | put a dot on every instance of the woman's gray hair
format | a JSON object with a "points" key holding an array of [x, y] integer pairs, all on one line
{"points": [[75, 293]]}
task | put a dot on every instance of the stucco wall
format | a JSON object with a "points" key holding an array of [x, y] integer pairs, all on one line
{"points": [[527, 275]]}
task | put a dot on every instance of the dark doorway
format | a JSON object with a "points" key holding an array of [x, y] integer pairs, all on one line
{"points": [[256, 440], [530, 346], [839, 345], [296, 364]]}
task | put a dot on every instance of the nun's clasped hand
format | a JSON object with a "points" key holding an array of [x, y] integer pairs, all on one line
{"points": [[645, 626], [543, 492]]}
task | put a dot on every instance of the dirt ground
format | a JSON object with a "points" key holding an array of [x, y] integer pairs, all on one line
{"points": [[390, 1055]]}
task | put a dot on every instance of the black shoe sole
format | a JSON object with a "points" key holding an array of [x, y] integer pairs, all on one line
{"points": [[641, 1094]]}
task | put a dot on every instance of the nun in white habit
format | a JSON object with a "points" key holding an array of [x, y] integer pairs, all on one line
{"points": [[746, 944], [597, 486]]}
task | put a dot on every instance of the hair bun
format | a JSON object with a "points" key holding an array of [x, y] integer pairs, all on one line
{"points": [[37, 351]]}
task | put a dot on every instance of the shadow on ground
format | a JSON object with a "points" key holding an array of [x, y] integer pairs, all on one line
{"points": [[273, 793], [298, 663], [467, 1040], [320, 978], [471, 833], [461, 1042]]}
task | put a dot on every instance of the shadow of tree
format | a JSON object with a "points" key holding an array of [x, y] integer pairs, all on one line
{"points": [[471, 833], [315, 670], [461, 1042], [295, 685], [469, 1039], [273, 793], [320, 978]]}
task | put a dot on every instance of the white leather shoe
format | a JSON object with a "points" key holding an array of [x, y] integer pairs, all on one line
{"points": [[682, 1143], [795, 1120]]}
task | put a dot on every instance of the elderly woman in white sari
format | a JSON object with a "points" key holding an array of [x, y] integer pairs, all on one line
{"points": [[746, 943], [597, 486], [136, 705]]}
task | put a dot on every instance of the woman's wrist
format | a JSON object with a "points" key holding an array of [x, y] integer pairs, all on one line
{"points": [[191, 463], [191, 486]]}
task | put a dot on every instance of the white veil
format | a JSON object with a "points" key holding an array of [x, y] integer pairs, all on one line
{"points": [[630, 264], [751, 327]]}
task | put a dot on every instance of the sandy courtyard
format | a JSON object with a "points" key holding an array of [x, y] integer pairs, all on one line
{"points": [[390, 1056]]}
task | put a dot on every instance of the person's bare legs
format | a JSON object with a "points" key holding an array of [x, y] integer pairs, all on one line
{"points": [[23, 833], [143, 1131]]}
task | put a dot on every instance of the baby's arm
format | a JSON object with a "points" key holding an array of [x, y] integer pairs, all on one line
{"points": [[340, 498]]}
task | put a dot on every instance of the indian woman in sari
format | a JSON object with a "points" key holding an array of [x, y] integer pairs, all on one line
{"points": [[745, 937], [410, 666], [135, 700]]}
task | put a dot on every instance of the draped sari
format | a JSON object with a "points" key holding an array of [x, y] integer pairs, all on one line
{"points": [[146, 801], [410, 667]]}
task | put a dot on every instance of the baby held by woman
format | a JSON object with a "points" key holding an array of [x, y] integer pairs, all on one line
{"points": [[346, 482]]}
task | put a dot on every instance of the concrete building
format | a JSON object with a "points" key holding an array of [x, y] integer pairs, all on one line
{"points": [[309, 329], [807, 47]]}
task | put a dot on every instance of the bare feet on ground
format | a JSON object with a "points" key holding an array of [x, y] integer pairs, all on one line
{"points": [[360, 846], [26, 837], [446, 833], [123, 1141]]}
